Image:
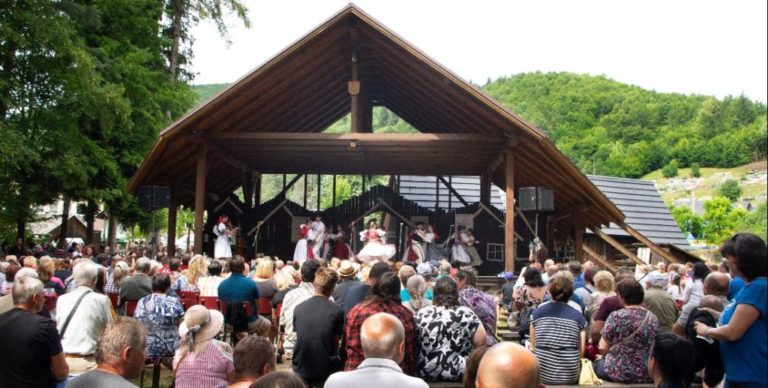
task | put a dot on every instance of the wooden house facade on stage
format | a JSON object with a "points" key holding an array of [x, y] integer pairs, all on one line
{"points": [[272, 121]]}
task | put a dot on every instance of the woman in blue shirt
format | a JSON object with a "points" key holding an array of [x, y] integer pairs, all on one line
{"points": [[743, 329]]}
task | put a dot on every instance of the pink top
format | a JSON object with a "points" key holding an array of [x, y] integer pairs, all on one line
{"points": [[207, 369]]}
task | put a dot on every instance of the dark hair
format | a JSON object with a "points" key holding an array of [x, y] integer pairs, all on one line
{"points": [[280, 379], [251, 354], [700, 271], [325, 281], [589, 274], [308, 270], [10, 272], [561, 288], [473, 364], [533, 278], [237, 264], [749, 252], [102, 259], [161, 282], [214, 269], [174, 265], [446, 294], [468, 274], [379, 269], [386, 289], [185, 258], [673, 358], [574, 267], [631, 291]]}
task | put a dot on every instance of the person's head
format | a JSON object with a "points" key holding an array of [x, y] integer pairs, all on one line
{"points": [[308, 270], [382, 336], [711, 301], [387, 289], [723, 267], [661, 267], [325, 281], [346, 270], [405, 272], [373, 224], [716, 283], [552, 269], [265, 269], [604, 281], [198, 268], [589, 274], [656, 279], [143, 265], [473, 362], [46, 269], [237, 265], [746, 254], [161, 282], [532, 278], [27, 293], [466, 277], [508, 364], [30, 262], [671, 360], [561, 288], [199, 326], [254, 356], [122, 346], [444, 269], [280, 379], [574, 267], [700, 271], [283, 280], [446, 293], [630, 291], [214, 268], [174, 265], [416, 287], [85, 273], [377, 271], [621, 274]]}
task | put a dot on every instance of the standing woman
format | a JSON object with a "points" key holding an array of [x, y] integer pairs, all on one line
{"points": [[375, 247], [223, 230], [303, 251], [743, 330]]}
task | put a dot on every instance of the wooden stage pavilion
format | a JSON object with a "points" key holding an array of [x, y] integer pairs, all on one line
{"points": [[271, 121]]}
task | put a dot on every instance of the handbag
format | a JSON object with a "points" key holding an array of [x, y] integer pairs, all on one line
{"points": [[587, 376], [524, 317]]}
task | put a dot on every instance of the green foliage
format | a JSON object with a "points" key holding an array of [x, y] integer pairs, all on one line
{"points": [[755, 222], [695, 170], [670, 170], [687, 220], [730, 189], [720, 219]]}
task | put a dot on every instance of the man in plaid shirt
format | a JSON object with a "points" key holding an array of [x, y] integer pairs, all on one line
{"points": [[384, 298]]}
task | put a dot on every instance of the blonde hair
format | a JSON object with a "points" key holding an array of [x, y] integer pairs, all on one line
{"points": [[30, 261], [198, 267], [283, 280], [604, 281], [264, 269], [364, 272], [121, 270], [335, 263], [46, 268]]}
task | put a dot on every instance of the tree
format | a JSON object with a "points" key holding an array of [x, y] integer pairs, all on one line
{"points": [[730, 189], [687, 220], [670, 170], [695, 170], [720, 219], [755, 222]]}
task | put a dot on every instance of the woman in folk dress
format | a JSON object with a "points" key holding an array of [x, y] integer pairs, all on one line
{"points": [[303, 251], [223, 229], [375, 244]]}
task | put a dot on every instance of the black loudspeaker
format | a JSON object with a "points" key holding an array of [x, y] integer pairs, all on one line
{"points": [[154, 197], [526, 198], [545, 199]]}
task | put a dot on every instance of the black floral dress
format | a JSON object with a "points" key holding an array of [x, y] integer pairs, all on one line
{"points": [[445, 341]]}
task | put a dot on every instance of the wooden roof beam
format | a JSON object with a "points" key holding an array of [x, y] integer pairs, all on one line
{"points": [[453, 191], [599, 259], [655, 248], [220, 153], [610, 240]]}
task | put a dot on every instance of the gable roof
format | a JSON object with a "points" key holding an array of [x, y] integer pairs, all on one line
{"points": [[270, 121]]}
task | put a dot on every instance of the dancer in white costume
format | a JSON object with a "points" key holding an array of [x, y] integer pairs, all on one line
{"points": [[317, 236], [223, 229], [303, 251], [375, 247]]}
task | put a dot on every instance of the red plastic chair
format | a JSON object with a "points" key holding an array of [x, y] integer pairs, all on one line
{"points": [[189, 298], [130, 307], [265, 306], [210, 302]]}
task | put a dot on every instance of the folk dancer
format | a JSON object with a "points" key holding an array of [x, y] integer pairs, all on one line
{"points": [[375, 244], [303, 251]]}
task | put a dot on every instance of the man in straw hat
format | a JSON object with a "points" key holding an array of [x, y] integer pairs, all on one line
{"points": [[347, 280]]}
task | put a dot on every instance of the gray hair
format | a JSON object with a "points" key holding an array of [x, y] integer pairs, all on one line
{"points": [[416, 287], [122, 333], [25, 288], [27, 272], [85, 273], [565, 274], [388, 333], [143, 265]]}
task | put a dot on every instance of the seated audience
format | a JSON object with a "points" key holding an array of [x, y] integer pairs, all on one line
{"points": [[446, 326], [604, 285], [120, 356], [264, 278], [627, 338], [417, 288], [357, 294], [304, 291], [240, 288], [659, 302], [115, 277], [347, 280], [160, 314], [557, 335], [609, 305], [383, 340], [139, 285], [202, 360], [508, 365], [481, 303], [670, 364], [187, 282], [319, 325], [31, 347], [384, 298], [209, 285], [473, 363], [254, 357], [281, 379], [743, 329], [83, 315], [585, 291], [527, 298]]}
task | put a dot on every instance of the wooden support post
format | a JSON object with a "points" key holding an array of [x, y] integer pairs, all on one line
{"points": [[257, 190], [306, 185], [485, 189], [172, 212], [284, 180], [648, 243], [333, 195], [248, 188], [437, 194], [621, 248], [202, 166], [319, 190], [450, 188], [509, 217], [363, 186], [578, 240]]}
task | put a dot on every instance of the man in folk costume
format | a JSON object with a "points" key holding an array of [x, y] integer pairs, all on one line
{"points": [[317, 236]]}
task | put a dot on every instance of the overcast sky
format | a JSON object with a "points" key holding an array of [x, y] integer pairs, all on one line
{"points": [[703, 47]]}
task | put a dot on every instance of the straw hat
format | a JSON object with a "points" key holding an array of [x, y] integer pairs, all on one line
{"points": [[203, 323], [346, 269]]}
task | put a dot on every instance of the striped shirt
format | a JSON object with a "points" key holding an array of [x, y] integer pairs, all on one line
{"points": [[557, 329]]}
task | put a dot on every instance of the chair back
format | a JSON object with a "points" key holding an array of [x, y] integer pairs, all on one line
{"points": [[210, 302], [189, 298], [265, 306]]}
